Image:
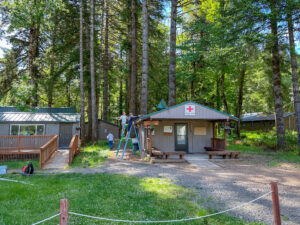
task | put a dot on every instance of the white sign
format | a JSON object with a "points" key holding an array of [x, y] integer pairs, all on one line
{"points": [[190, 110], [168, 129]]}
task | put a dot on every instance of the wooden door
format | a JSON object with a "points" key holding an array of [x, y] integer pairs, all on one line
{"points": [[65, 134]]}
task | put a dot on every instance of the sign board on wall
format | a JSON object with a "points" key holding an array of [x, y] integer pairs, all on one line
{"points": [[168, 129], [189, 110], [200, 131]]}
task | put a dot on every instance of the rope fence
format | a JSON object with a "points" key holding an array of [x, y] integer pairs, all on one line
{"points": [[64, 213], [16, 181]]}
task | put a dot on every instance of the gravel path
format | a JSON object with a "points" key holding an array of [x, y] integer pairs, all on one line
{"points": [[235, 182]]}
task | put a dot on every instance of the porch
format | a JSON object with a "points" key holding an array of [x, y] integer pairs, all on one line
{"points": [[28, 147]]}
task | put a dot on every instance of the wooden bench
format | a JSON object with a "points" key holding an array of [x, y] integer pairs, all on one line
{"points": [[157, 153], [160, 154], [181, 154], [224, 154], [213, 149]]}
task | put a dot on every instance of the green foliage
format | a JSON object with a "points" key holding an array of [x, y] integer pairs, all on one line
{"points": [[104, 195]]}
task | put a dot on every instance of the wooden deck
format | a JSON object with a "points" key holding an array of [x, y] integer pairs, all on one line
{"points": [[28, 147]]}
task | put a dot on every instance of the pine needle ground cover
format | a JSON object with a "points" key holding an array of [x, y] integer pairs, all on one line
{"points": [[104, 195]]}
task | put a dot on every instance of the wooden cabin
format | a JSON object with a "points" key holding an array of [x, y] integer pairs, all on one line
{"points": [[188, 127], [63, 122], [266, 122], [104, 127]]}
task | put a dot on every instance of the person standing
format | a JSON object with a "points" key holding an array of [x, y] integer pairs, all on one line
{"points": [[110, 138], [123, 119]]}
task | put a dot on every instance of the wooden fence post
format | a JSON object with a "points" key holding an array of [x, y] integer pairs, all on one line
{"points": [[275, 200], [64, 211]]}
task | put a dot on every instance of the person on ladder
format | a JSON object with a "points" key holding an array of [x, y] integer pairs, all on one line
{"points": [[130, 121], [123, 119]]}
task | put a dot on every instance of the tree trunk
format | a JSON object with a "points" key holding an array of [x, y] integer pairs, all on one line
{"points": [[82, 111], [101, 63], [294, 69], [33, 53], [121, 97], [240, 102], [105, 66], [87, 70], [193, 81], [218, 98], [172, 58], [144, 94], [133, 93], [93, 86], [89, 111], [223, 92], [281, 142]]}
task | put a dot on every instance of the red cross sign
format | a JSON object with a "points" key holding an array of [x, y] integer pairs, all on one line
{"points": [[190, 110]]}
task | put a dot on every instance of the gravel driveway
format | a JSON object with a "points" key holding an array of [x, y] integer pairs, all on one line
{"points": [[233, 183]]}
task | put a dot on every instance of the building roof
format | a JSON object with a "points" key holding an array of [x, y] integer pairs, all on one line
{"points": [[6, 117], [39, 109], [107, 122], [252, 117], [178, 112]]}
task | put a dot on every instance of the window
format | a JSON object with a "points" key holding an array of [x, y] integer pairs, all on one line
{"points": [[14, 130], [27, 129]]}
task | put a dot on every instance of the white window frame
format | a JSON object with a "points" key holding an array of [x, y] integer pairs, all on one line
{"points": [[25, 124]]}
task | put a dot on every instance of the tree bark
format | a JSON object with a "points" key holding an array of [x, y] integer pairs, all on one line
{"points": [[295, 79], [145, 67], [101, 63], [223, 92], [133, 92], [93, 86], [33, 53], [105, 66], [82, 110], [281, 142], [240, 101], [172, 58]]}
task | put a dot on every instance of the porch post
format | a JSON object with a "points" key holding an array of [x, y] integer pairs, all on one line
{"points": [[214, 131], [214, 135], [225, 136]]}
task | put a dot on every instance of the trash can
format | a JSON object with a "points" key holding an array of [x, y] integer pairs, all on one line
{"points": [[3, 169], [135, 144]]}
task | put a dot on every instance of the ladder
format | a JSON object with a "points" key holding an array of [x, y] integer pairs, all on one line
{"points": [[128, 138]]}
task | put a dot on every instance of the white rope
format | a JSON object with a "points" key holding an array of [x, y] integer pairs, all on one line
{"points": [[171, 221], [42, 221], [16, 181]]}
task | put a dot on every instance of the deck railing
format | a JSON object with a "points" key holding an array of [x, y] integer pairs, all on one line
{"points": [[14, 143], [218, 143], [47, 150], [73, 147]]}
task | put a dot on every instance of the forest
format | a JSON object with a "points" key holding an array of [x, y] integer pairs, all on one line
{"points": [[108, 56]]}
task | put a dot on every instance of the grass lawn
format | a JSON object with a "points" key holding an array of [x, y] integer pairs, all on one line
{"points": [[278, 157], [94, 154], [264, 143], [19, 164], [103, 195]]}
